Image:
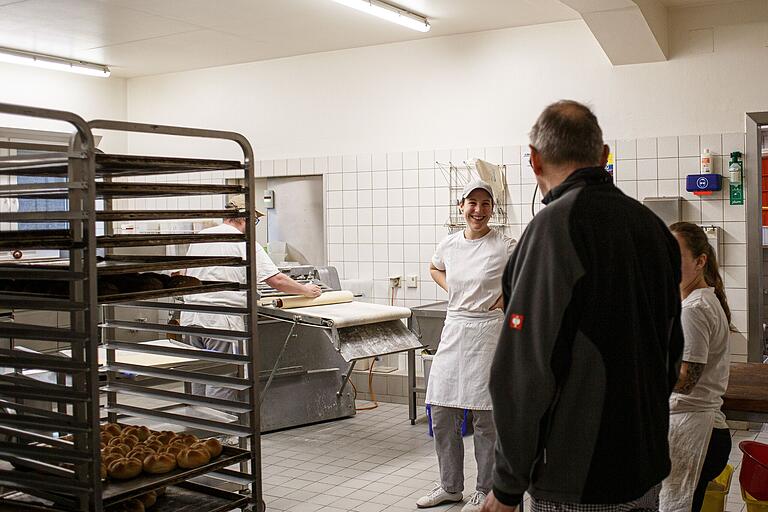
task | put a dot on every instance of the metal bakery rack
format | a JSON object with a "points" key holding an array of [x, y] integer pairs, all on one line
{"points": [[46, 395]]}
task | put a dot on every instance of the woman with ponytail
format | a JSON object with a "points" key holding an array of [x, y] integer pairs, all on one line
{"points": [[699, 438]]}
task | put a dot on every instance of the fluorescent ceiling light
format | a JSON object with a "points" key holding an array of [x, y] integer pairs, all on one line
{"points": [[389, 12], [50, 62]]}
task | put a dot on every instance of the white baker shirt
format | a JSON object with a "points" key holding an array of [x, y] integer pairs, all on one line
{"points": [[265, 269], [705, 330], [473, 269]]}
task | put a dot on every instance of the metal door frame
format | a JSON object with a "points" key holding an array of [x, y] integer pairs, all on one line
{"points": [[755, 121]]}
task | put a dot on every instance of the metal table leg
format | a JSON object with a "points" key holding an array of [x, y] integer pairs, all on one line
{"points": [[412, 386]]}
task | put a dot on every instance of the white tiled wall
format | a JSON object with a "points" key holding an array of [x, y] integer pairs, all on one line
{"points": [[387, 211], [658, 167]]}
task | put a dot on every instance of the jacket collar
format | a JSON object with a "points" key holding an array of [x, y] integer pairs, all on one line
{"points": [[583, 176]]}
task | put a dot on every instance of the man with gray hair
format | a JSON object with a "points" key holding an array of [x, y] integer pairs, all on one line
{"points": [[591, 343]]}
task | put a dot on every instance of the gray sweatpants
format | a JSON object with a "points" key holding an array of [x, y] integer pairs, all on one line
{"points": [[449, 445], [214, 345]]}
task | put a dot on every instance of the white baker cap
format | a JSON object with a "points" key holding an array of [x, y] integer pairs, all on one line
{"points": [[474, 185]]}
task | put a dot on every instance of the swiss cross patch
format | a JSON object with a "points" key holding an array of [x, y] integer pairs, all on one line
{"points": [[516, 321]]}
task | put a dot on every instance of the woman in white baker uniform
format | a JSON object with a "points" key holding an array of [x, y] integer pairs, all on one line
{"points": [[469, 266], [699, 439], [266, 271]]}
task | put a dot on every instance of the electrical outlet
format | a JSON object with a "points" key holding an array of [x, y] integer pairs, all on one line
{"points": [[412, 281], [394, 281]]}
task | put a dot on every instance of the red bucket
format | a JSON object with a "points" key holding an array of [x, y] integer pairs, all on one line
{"points": [[753, 475]]}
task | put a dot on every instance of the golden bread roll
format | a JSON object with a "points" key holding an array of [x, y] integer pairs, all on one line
{"points": [[173, 449], [157, 464], [113, 428], [124, 469], [212, 445], [142, 433], [109, 459], [106, 437], [165, 436], [102, 446], [129, 440], [154, 445], [128, 430], [102, 471], [187, 439], [148, 499], [140, 452], [193, 458], [120, 448]]}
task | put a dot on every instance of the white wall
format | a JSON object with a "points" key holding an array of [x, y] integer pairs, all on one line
{"points": [[88, 97], [469, 90]]}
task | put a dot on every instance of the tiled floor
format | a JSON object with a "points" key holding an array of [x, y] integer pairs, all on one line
{"points": [[376, 462]]}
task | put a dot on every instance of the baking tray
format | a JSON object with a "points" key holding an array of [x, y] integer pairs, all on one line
{"points": [[182, 497], [7, 298], [115, 492], [165, 239], [115, 264], [119, 190], [61, 239], [116, 165], [39, 239]]}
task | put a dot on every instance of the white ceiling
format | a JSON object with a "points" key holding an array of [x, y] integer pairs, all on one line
{"points": [[143, 37]]}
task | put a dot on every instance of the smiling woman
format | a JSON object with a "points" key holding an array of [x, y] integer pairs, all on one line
{"points": [[477, 209], [468, 265]]}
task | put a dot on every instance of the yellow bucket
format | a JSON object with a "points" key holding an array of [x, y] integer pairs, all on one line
{"points": [[717, 491], [754, 505]]}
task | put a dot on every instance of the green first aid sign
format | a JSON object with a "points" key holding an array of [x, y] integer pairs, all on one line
{"points": [[737, 193]]}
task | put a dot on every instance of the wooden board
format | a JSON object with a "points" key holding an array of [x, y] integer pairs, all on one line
{"points": [[747, 389]]}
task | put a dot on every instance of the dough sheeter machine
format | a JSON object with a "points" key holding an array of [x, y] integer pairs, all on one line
{"points": [[310, 347]]}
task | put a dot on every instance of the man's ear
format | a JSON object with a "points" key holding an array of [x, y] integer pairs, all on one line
{"points": [[604, 158], [536, 162]]}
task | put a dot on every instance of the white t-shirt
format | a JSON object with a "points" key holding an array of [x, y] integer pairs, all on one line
{"points": [[473, 269], [264, 269], [705, 329]]}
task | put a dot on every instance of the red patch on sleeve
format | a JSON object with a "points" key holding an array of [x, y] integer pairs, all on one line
{"points": [[516, 321]]}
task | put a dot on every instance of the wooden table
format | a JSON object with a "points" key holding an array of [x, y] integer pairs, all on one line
{"points": [[746, 398]]}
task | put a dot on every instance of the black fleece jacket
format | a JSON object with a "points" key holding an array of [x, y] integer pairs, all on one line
{"points": [[590, 349]]}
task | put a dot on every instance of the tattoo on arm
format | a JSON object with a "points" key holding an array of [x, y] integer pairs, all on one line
{"points": [[689, 376]]}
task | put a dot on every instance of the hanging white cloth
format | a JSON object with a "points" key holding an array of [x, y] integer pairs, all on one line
{"points": [[689, 434]]}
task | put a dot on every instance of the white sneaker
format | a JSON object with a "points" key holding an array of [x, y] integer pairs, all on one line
{"points": [[437, 496], [475, 502]]}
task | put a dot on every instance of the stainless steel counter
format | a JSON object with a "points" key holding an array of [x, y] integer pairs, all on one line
{"points": [[427, 323]]}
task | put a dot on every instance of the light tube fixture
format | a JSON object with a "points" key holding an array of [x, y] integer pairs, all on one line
{"points": [[40, 60], [389, 12]]}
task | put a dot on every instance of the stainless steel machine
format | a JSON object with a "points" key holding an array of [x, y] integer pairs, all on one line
{"points": [[308, 354]]}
